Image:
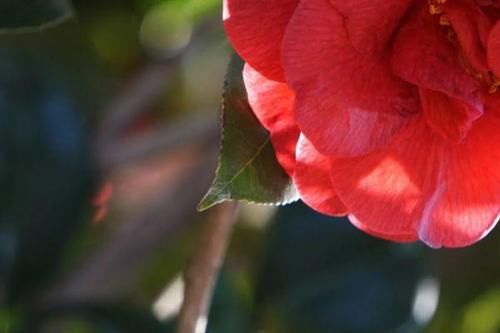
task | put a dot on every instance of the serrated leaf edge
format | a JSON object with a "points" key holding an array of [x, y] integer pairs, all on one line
{"points": [[202, 206]]}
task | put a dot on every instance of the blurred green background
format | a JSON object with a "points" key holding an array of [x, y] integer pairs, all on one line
{"points": [[108, 126]]}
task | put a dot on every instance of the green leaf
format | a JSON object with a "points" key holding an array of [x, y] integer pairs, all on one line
{"points": [[20, 16], [248, 169]]}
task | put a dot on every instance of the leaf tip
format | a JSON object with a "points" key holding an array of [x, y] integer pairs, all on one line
{"points": [[208, 201]]}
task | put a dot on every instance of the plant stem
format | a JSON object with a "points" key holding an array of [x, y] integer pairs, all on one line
{"points": [[201, 274]]}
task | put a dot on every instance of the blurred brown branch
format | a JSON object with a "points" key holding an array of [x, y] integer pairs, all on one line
{"points": [[115, 265], [113, 151], [192, 131], [201, 274], [139, 94]]}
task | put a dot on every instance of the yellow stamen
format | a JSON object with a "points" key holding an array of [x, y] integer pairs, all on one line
{"points": [[490, 80], [435, 7], [435, 10], [494, 85], [444, 20]]}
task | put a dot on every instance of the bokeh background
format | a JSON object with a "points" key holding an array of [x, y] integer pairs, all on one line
{"points": [[109, 134]]}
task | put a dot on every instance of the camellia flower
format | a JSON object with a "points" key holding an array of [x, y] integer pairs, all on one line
{"points": [[385, 110]]}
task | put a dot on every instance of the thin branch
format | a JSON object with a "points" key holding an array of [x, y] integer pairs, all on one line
{"points": [[201, 275]]}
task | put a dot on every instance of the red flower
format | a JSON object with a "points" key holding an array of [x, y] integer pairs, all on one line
{"points": [[386, 110]]}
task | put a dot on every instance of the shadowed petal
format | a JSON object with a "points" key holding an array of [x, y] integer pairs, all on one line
{"points": [[472, 27], [312, 179], [424, 56], [272, 103], [371, 23], [256, 29], [449, 117], [494, 49]]}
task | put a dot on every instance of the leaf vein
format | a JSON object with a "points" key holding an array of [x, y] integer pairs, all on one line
{"points": [[250, 160]]}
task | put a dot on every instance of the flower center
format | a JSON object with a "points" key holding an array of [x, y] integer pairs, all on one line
{"points": [[435, 6], [491, 81]]}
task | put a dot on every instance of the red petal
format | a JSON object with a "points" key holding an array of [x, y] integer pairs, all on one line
{"points": [[312, 179], [337, 87], [491, 12], [448, 194], [447, 116], [319, 58], [466, 205], [493, 105], [272, 103], [256, 28], [342, 131], [492, 3], [400, 238], [103, 196], [471, 26], [371, 23], [378, 189], [494, 49], [424, 56]]}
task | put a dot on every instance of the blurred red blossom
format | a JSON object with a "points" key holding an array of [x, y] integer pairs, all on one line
{"points": [[100, 201], [388, 111]]}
